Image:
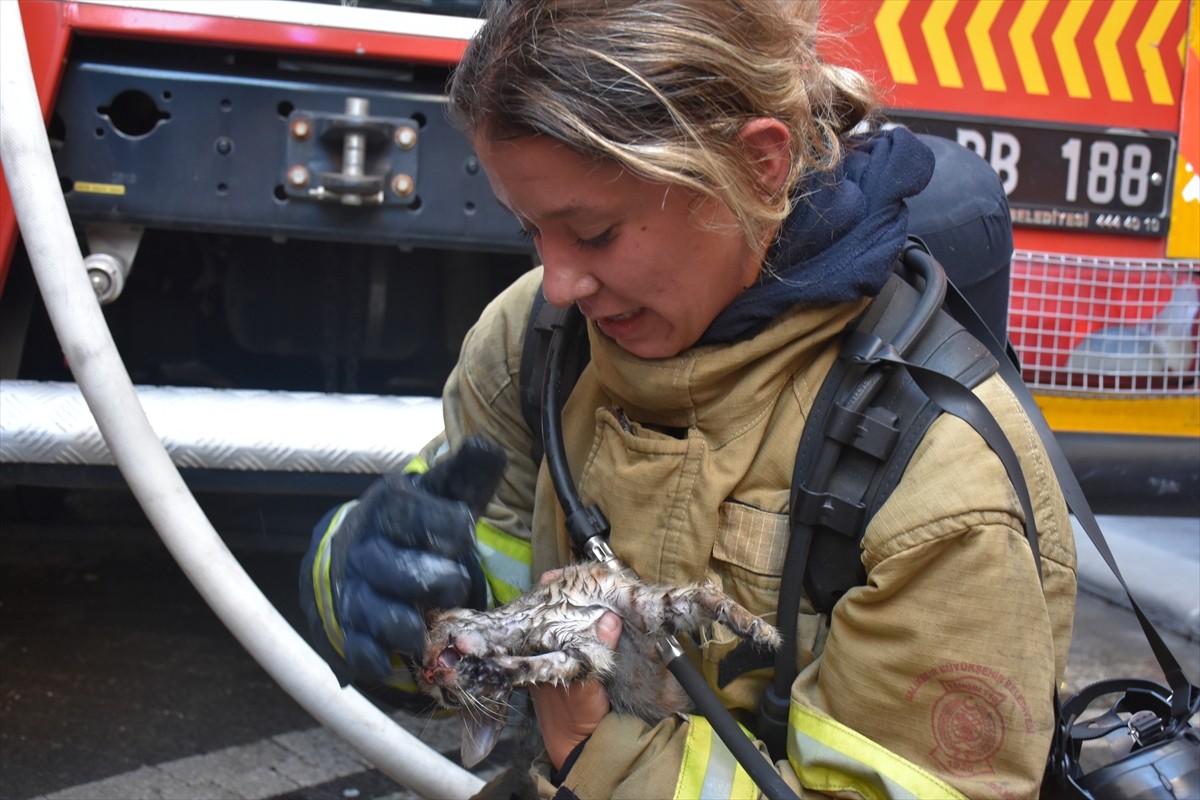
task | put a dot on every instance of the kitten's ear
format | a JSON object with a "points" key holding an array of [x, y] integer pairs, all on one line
{"points": [[479, 737]]}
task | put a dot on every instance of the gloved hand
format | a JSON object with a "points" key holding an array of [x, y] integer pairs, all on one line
{"points": [[405, 547]]}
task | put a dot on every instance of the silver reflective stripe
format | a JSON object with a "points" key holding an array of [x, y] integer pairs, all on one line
{"points": [[831, 757], [722, 766], [709, 770]]}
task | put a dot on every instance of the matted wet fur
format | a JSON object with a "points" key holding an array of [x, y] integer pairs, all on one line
{"points": [[474, 659]]}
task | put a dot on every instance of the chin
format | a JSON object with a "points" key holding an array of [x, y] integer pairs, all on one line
{"points": [[652, 349], [643, 343]]}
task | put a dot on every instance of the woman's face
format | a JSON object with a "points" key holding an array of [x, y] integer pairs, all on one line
{"points": [[652, 265]]}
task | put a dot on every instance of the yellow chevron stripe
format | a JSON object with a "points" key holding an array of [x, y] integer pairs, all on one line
{"points": [[1066, 50], [933, 26], [1193, 32], [978, 27], [1020, 36], [1150, 54], [1190, 39], [887, 28], [1106, 49]]}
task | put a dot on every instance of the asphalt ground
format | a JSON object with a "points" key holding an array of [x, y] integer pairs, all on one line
{"points": [[117, 681], [1159, 557]]}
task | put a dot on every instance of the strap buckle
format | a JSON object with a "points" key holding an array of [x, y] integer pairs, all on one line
{"points": [[1145, 727]]}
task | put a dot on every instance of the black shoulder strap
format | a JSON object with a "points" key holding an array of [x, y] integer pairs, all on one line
{"points": [[542, 319], [866, 352], [867, 421], [865, 424], [1184, 696]]}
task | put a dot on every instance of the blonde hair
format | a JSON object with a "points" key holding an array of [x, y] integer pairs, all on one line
{"points": [[662, 87]]}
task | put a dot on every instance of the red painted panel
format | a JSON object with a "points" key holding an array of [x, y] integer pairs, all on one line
{"points": [[855, 41], [47, 35], [194, 28]]}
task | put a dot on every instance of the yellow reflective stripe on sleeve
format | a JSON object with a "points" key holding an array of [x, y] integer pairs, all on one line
{"points": [[323, 586], [709, 770], [402, 676], [829, 757], [506, 560]]}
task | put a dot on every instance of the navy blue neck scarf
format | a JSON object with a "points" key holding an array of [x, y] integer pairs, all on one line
{"points": [[838, 245]]}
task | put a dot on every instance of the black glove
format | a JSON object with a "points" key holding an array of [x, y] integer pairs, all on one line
{"points": [[406, 547]]}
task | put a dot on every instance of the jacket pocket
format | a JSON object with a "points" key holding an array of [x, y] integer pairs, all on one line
{"points": [[748, 554], [747, 559], [645, 481]]}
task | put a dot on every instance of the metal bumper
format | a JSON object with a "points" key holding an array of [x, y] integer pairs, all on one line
{"points": [[248, 432]]}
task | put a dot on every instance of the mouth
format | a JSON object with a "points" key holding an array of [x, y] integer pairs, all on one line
{"points": [[622, 316], [617, 325], [449, 658], [440, 671]]}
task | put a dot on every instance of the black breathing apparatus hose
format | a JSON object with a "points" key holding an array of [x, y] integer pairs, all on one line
{"points": [[589, 530]]}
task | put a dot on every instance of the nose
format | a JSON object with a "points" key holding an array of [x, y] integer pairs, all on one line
{"points": [[564, 279]]}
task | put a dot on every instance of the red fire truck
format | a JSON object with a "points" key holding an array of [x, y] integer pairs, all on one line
{"points": [[276, 212]]}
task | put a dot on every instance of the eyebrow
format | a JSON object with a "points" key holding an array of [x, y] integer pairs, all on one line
{"points": [[572, 210]]}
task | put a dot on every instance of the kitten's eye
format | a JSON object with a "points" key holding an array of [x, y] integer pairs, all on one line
{"points": [[449, 658]]}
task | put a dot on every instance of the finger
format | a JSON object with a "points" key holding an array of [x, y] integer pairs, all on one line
{"points": [[575, 705], [419, 520], [470, 475], [390, 626], [367, 660], [609, 628], [410, 576]]}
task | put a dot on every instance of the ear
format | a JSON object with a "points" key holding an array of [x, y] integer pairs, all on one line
{"points": [[769, 142], [480, 733]]}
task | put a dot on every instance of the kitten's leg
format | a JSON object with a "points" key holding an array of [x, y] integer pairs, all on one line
{"points": [[590, 659], [686, 607]]}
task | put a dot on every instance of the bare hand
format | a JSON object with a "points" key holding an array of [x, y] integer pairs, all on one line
{"points": [[567, 715]]}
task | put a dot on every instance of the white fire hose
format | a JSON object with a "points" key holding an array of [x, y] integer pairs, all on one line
{"points": [[97, 367]]}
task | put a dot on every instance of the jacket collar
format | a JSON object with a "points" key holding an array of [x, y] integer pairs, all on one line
{"points": [[719, 389]]}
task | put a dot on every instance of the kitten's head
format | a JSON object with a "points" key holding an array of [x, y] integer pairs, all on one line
{"points": [[459, 672]]}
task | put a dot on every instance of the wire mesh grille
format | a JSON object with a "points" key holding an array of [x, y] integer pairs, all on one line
{"points": [[1110, 326]]}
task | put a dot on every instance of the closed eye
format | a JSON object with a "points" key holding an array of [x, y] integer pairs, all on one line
{"points": [[583, 244], [596, 241]]}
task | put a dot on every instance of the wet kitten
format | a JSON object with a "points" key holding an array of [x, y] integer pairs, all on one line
{"points": [[474, 659]]}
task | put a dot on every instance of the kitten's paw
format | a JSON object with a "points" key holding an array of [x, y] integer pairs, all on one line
{"points": [[558, 667], [765, 635]]}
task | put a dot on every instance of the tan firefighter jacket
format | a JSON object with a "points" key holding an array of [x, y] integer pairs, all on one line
{"points": [[934, 679]]}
